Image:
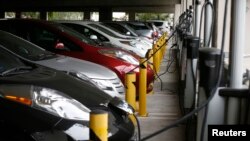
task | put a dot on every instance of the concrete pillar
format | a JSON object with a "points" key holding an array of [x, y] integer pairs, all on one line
{"points": [[18, 14], [197, 16], [208, 23], [177, 13], [105, 14], [2, 14], [131, 16], [189, 2], [216, 21], [43, 15], [238, 29], [183, 8], [86, 15]]}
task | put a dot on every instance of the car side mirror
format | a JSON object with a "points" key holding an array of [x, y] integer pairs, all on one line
{"points": [[93, 37], [60, 46], [128, 33]]}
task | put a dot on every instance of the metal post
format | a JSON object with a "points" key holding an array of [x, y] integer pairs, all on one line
{"points": [[151, 59], [43, 15], [143, 88], [86, 15], [236, 56], [130, 89], [156, 58], [99, 125], [197, 17], [207, 24], [192, 46]]}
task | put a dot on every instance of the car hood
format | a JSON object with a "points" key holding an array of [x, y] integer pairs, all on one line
{"points": [[82, 91], [87, 68]]}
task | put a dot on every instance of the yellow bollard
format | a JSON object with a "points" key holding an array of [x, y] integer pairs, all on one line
{"points": [[130, 89], [143, 88], [156, 59], [151, 59], [159, 50], [99, 125]]}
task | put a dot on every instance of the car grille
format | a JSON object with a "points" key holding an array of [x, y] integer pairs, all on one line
{"points": [[118, 86]]}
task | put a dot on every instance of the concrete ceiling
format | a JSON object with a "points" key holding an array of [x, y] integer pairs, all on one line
{"points": [[76, 5]]}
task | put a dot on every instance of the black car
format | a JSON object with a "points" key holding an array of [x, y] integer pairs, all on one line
{"points": [[41, 104]]}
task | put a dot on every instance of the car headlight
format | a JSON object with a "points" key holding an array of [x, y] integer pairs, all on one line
{"points": [[122, 105], [120, 55], [46, 99], [82, 77], [99, 83]]}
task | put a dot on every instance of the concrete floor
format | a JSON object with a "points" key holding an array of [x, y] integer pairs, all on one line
{"points": [[163, 108]]}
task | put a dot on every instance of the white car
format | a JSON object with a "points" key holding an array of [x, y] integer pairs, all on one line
{"points": [[117, 33], [163, 26], [102, 34], [100, 76]]}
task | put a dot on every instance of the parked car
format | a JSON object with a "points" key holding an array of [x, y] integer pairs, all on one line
{"points": [[100, 33], [143, 30], [141, 39], [123, 28], [42, 104], [161, 25], [100, 76], [59, 39]]}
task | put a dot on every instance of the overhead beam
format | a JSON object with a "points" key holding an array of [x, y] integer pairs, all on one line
{"points": [[148, 9], [79, 5]]}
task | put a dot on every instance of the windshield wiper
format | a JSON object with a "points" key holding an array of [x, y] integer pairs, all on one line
{"points": [[15, 70]]}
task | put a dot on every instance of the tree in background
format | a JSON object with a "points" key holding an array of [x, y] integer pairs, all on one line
{"points": [[65, 15], [154, 16], [32, 15]]}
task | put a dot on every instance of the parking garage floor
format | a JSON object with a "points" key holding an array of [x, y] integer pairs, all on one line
{"points": [[163, 107]]}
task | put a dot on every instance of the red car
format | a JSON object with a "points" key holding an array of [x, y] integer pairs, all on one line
{"points": [[62, 40]]}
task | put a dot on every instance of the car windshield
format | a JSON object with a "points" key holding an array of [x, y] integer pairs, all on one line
{"points": [[74, 33], [158, 23], [138, 26], [11, 64], [104, 30], [23, 48]]}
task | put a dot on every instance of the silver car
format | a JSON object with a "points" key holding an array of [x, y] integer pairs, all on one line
{"points": [[98, 32], [100, 76]]}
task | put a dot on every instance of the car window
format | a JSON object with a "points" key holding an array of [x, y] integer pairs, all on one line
{"points": [[118, 28], [104, 30], [138, 26], [48, 40], [74, 33], [158, 23], [23, 48], [87, 32]]}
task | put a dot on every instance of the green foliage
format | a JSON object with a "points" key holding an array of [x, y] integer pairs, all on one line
{"points": [[65, 15], [10, 14], [33, 15], [152, 16]]}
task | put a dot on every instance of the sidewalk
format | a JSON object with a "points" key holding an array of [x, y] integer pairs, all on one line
{"points": [[163, 108]]}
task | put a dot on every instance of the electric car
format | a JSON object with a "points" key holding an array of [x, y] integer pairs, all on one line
{"points": [[100, 33], [163, 26], [42, 104], [59, 39], [142, 29], [124, 29], [101, 76]]}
